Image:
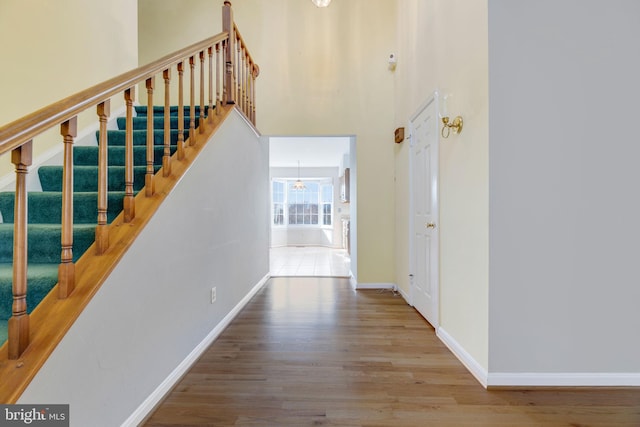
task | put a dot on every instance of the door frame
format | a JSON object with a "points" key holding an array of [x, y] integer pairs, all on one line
{"points": [[432, 99]]}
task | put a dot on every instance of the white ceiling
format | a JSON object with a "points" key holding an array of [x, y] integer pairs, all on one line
{"points": [[314, 151]]}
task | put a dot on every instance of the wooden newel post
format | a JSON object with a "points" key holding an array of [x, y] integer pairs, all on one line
{"points": [[18, 332], [66, 270], [228, 27]]}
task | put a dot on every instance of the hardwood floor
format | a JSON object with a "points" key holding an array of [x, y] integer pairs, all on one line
{"points": [[311, 351]]}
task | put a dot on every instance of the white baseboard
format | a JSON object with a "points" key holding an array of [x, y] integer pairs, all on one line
{"points": [[358, 285], [563, 379], [404, 295], [165, 387], [467, 360], [535, 379]]}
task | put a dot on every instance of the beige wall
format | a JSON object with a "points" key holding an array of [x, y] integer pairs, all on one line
{"points": [[323, 72], [327, 75], [52, 49], [442, 45], [168, 25]]}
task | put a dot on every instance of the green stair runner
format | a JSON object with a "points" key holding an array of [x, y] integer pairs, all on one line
{"points": [[45, 208]]}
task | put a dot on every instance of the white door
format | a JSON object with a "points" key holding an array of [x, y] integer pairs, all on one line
{"points": [[424, 212]]}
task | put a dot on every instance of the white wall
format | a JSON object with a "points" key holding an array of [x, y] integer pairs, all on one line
{"points": [[156, 303], [442, 45], [564, 280]]}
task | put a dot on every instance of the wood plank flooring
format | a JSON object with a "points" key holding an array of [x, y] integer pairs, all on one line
{"points": [[313, 352]]}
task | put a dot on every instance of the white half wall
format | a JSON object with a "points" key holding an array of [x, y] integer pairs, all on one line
{"points": [[564, 288], [155, 308]]}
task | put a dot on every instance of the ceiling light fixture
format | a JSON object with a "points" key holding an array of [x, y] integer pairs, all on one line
{"points": [[321, 3], [299, 185]]}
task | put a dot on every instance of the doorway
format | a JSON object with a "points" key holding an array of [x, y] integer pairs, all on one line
{"points": [[311, 186]]}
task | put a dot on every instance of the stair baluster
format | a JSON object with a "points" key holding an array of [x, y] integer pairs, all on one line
{"points": [[238, 69], [253, 93], [218, 104], [148, 177], [192, 101], [66, 271], [102, 231], [166, 156], [129, 206], [210, 111], [18, 328], [245, 66], [180, 110], [202, 110]]}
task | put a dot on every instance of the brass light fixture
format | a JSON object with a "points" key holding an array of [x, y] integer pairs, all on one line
{"points": [[321, 3], [455, 126], [299, 185]]}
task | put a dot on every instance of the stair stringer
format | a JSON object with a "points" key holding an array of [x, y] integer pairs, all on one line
{"points": [[153, 307]]}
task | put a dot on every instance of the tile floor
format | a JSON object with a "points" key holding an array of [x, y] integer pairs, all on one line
{"points": [[309, 261]]}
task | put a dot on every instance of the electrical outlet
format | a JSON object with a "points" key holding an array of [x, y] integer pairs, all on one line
{"points": [[213, 295]]}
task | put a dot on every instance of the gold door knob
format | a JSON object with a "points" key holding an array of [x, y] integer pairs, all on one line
{"points": [[430, 225]]}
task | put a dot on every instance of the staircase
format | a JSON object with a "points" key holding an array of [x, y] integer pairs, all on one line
{"points": [[45, 207]]}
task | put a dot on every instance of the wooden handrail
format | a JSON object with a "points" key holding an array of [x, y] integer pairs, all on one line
{"points": [[16, 133]]}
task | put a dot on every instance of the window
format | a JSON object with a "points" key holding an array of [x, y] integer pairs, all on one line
{"points": [[326, 199], [278, 203], [310, 206]]}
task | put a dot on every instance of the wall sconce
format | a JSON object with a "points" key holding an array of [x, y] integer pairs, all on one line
{"points": [[447, 127]]}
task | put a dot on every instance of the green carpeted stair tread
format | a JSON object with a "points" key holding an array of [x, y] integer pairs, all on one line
{"points": [[140, 123], [141, 110], [46, 207], [41, 278], [43, 242], [85, 178], [116, 137], [88, 155]]}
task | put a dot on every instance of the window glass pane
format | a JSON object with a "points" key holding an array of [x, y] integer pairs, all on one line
{"points": [[326, 212], [327, 193], [278, 191], [278, 214]]}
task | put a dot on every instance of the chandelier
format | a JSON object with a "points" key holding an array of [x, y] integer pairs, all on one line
{"points": [[321, 3], [299, 185]]}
